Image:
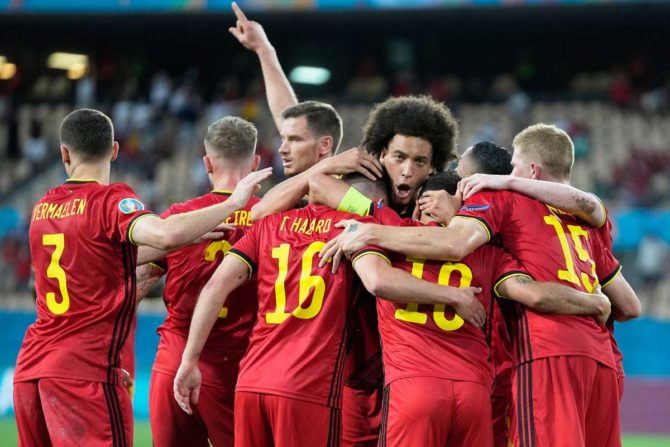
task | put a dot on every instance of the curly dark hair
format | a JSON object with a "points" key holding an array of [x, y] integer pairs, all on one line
{"points": [[413, 116]]}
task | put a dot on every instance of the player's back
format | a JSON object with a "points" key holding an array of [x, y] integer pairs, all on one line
{"points": [[552, 246], [432, 340], [188, 270], [297, 346], [84, 266]]}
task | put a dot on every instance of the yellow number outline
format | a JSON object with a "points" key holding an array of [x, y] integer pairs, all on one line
{"points": [[309, 284], [576, 233], [211, 251], [55, 271], [411, 313]]}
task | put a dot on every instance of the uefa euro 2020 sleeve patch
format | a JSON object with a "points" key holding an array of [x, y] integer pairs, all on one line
{"points": [[475, 208], [130, 205]]}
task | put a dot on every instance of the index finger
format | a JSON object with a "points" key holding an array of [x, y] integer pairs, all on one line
{"points": [[238, 12]]}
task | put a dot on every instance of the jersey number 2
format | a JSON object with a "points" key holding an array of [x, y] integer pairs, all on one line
{"points": [[210, 255]]}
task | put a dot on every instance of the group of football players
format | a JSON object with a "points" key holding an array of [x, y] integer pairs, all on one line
{"points": [[375, 297]]}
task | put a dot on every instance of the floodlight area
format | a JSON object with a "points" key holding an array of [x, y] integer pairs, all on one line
{"points": [[66, 61], [7, 70], [309, 75]]}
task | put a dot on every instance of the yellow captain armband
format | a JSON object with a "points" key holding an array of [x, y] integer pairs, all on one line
{"points": [[355, 202]]}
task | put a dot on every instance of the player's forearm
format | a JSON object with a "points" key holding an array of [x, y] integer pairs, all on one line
{"points": [[204, 316], [565, 197], [625, 303], [555, 298], [399, 286], [278, 89], [281, 197], [146, 277], [422, 242], [286, 194], [326, 190], [180, 229]]}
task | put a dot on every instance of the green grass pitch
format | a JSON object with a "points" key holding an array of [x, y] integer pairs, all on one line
{"points": [[143, 436]]}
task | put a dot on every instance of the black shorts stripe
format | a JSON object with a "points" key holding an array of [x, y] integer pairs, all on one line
{"points": [[524, 407], [334, 427], [385, 415], [115, 416], [529, 372]]}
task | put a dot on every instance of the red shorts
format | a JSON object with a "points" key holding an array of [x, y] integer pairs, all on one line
{"points": [[573, 399], [426, 411], [501, 400], [212, 417], [265, 419], [67, 412], [361, 416]]}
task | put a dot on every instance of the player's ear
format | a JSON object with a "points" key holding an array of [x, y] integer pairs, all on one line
{"points": [[208, 164], [325, 146], [382, 155], [115, 151], [65, 154], [535, 171], [255, 162]]}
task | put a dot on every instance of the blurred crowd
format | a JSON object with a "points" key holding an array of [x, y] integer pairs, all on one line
{"points": [[619, 127]]}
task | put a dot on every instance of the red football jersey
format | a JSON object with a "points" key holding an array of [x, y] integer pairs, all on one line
{"points": [[607, 268], [84, 262], [297, 346], [432, 340], [363, 367], [188, 270], [552, 246]]}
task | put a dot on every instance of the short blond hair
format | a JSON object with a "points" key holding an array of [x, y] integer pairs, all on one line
{"points": [[232, 138], [547, 145]]}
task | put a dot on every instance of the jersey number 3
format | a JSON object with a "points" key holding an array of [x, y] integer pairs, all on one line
{"points": [[56, 272]]}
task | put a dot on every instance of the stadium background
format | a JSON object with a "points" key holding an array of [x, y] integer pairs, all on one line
{"points": [[163, 69]]}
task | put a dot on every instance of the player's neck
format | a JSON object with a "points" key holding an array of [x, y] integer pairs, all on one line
{"points": [[93, 171], [227, 181]]}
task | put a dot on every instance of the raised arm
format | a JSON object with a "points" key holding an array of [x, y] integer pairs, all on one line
{"points": [[180, 229], [549, 297], [452, 243], [229, 275], [278, 89], [289, 192], [396, 285], [582, 204]]}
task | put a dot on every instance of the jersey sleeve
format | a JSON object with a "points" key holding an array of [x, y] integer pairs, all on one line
{"points": [[607, 266], [122, 210], [246, 249], [370, 249], [505, 266], [489, 208]]}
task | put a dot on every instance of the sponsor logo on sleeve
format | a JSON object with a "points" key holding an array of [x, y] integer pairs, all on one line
{"points": [[475, 208], [130, 205]]}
